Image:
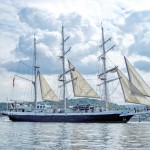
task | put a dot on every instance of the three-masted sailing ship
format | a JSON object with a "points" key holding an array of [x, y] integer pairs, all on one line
{"points": [[134, 90]]}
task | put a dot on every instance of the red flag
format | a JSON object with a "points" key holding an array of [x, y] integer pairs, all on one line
{"points": [[13, 81]]}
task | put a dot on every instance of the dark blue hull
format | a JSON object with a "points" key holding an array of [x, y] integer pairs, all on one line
{"points": [[82, 118]]}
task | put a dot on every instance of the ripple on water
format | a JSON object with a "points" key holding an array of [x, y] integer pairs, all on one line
{"points": [[73, 136]]}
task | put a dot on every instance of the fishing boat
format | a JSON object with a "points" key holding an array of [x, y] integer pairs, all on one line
{"points": [[81, 88]]}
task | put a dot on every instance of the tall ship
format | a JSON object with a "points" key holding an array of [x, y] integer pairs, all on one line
{"points": [[135, 90]]}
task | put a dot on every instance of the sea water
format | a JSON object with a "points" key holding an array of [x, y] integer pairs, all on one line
{"points": [[73, 136]]}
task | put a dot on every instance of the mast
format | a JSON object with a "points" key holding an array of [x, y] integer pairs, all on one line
{"points": [[62, 77], [63, 63], [104, 69], [35, 74]]}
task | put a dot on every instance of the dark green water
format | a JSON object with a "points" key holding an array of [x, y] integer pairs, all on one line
{"points": [[69, 136]]}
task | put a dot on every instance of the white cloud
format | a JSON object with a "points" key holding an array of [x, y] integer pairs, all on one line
{"points": [[126, 21]]}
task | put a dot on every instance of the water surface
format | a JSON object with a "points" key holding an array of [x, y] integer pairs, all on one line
{"points": [[73, 136]]}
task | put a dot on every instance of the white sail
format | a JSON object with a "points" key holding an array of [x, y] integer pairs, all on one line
{"points": [[81, 87], [131, 93], [137, 80], [46, 91]]}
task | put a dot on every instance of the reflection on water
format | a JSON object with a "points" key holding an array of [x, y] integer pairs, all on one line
{"points": [[73, 136]]}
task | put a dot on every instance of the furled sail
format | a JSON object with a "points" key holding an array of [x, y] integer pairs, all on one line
{"points": [[81, 87], [137, 80], [131, 93], [46, 91]]}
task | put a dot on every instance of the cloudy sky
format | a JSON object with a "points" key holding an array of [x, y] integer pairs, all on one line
{"points": [[128, 23]]}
